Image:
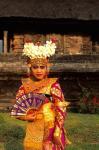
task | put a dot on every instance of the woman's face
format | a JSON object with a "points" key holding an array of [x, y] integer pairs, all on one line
{"points": [[39, 71]]}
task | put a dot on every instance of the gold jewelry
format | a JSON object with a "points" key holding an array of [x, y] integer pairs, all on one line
{"points": [[41, 61]]}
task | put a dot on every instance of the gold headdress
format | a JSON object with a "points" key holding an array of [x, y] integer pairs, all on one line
{"points": [[38, 53]]}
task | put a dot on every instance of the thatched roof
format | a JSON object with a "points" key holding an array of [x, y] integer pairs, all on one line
{"points": [[67, 9]]}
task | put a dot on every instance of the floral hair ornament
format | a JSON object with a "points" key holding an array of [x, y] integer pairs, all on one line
{"points": [[38, 53]]}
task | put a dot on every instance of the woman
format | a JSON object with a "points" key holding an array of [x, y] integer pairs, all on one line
{"points": [[45, 127]]}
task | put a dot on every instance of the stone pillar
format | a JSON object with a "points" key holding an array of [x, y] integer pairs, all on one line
{"points": [[5, 33]]}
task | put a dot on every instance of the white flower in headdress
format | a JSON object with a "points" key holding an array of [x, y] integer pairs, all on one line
{"points": [[39, 51]]}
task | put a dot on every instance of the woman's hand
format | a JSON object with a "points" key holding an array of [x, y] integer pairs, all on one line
{"points": [[20, 117], [28, 117]]}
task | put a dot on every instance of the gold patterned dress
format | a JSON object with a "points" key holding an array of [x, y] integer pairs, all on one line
{"points": [[46, 132]]}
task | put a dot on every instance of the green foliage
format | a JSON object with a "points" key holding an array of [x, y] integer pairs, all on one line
{"points": [[1, 146], [11, 133], [16, 132], [13, 144], [97, 109], [2, 119], [87, 100], [3, 131], [83, 146], [82, 130]]}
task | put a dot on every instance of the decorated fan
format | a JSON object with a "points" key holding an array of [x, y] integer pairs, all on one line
{"points": [[27, 103]]}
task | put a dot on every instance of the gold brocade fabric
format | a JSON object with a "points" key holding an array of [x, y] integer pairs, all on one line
{"points": [[42, 86], [34, 135], [46, 132], [38, 130]]}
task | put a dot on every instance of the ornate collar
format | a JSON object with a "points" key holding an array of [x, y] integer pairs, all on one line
{"points": [[34, 86]]}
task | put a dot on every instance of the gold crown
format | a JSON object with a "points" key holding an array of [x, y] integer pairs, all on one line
{"points": [[41, 61]]}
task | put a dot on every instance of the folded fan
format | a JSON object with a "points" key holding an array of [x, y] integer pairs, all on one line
{"points": [[27, 103]]}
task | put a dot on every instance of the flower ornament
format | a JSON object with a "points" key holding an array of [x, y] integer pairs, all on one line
{"points": [[37, 50]]}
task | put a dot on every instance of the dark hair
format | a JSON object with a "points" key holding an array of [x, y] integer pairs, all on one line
{"points": [[28, 60]]}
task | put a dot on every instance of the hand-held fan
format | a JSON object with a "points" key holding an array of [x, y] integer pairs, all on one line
{"points": [[27, 103]]}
